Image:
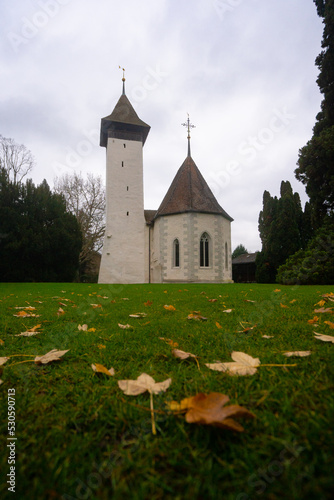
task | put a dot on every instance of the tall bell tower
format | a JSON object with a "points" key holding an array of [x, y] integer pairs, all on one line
{"points": [[123, 134]]}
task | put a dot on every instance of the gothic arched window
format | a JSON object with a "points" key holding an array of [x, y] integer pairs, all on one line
{"points": [[204, 250], [176, 253]]}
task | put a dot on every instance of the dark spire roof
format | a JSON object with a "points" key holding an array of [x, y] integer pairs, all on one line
{"points": [[189, 192], [123, 118]]}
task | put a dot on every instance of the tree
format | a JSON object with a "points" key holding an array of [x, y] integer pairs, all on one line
{"points": [[239, 250], [316, 159], [15, 159], [85, 198], [40, 240], [281, 227]]}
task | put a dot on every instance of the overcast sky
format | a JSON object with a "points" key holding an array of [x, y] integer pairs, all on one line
{"points": [[243, 69]]}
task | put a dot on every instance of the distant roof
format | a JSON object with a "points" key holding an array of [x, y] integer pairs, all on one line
{"points": [[149, 215], [123, 115], [189, 192], [245, 258]]}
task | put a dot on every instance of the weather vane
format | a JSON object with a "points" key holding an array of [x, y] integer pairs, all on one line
{"points": [[189, 126], [123, 79]]}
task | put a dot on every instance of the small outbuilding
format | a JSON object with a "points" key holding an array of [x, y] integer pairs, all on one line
{"points": [[244, 268]]}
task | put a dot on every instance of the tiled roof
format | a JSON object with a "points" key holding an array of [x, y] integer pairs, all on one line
{"points": [[189, 192], [149, 215], [245, 258]]}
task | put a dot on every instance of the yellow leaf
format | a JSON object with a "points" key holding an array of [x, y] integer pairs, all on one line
{"points": [[293, 301], [218, 325], [169, 308], [101, 346], [169, 342], [283, 306], [314, 320], [102, 369], [277, 290], [329, 323]]}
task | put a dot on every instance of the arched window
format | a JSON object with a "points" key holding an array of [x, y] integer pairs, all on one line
{"points": [[226, 256], [204, 250], [176, 253]]}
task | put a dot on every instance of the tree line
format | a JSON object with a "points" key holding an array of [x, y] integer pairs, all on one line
{"points": [[298, 245], [47, 235]]}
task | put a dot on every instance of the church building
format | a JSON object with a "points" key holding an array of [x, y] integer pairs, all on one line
{"points": [[187, 239]]}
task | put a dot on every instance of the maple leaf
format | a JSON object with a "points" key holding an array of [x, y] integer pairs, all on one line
{"points": [[142, 384], [320, 303], [182, 354], [3, 361], [314, 320], [297, 353], [102, 369], [210, 409], [169, 308], [324, 338], [83, 328], [148, 303], [243, 364], [53, 355], [324, 310], [330, 324], [30, 332]]}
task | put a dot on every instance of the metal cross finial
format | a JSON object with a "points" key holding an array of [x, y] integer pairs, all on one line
{"points": [[123, 79], [189, 126]]}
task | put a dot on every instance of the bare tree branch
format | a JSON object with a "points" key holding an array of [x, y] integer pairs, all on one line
{"points": [[16, 159]]}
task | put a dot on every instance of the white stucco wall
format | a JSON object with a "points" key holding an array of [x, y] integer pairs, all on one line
{"points": [[188, 228], [123, 256]]}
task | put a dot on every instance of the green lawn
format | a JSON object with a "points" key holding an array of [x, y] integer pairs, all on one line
{"points": [[79, 437]]}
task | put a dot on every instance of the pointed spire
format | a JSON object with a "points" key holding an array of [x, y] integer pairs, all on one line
{"points": [[123, 79], [189, 126]]}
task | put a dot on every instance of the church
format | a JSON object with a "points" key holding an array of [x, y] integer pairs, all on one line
{"points": [[186, 240]]}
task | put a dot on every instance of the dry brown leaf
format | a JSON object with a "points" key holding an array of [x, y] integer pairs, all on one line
{"points": [[297, 353], [3, 361], [283, 306], [95, 306], [218, 325], [169, 308], [1, 342], [247, 300], [324, 310], [314, 320], [268, 336], [124, 327], [324, 338], [228, 311], [102, 369], [24, 314], [182, 354], [142, 384], [26, 334], [243, 364], [53, 355], [137, 315], [83, 328], [329, 323], [148, 303], [60, 311], [27, 308], [212, 300], [196, 316], [210, 409], [169, 342]]}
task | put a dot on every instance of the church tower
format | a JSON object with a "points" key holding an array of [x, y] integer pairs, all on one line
{"points": [[123, 134]]}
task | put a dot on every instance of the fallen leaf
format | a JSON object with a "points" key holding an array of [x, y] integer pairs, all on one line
{"points": [[60, 311], [95, 306], [283, 306], [24, 314], [314, 320], [142, 384], [320, 303], [138, 315], [1, 381], [293, 301], [277, 290], [83, 328], [53, 355], [26, 334], [125, 298], [324, 338], [330, 324], [196, 316], [101, 346], [218, 325], [212, 300], [182, 354], [247, 300], [169, 308], [169, 342], [243, 364], [297, 353], [3, 361], [27, 308], [148, 303], [102, 369], [210, 409], [268, 336], [228, 311], [124, 327], [324, 310], [1, 342]]}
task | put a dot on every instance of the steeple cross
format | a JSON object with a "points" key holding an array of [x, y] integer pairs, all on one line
{"points": [[123, 79], [189, 126]]}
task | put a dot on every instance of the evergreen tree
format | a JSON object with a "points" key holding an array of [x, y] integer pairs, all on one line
{"points": [[40, 240], [239, 250], [316, 159]]}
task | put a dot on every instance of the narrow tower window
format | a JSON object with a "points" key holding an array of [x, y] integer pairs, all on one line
{"points": [[124, 145], [204, 250], [122, 163], [176, 253]]}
